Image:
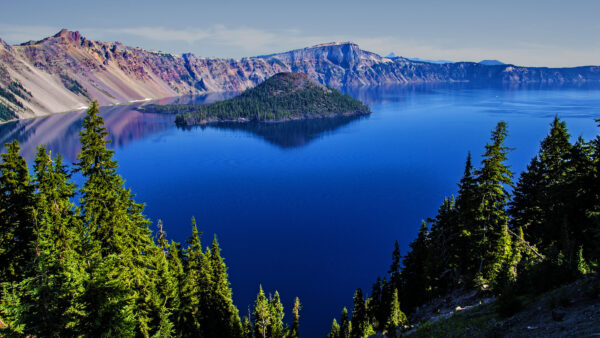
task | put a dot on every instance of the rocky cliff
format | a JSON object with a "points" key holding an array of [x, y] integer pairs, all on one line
{"points": [[64, 72]]}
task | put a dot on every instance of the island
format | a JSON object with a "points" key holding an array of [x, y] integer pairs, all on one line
{"points": [[282, 97]]}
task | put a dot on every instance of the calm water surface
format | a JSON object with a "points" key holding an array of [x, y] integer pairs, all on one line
{"points": [[312, 208]]}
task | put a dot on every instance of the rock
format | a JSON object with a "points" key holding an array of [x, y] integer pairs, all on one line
{"points": [[558, 315]]}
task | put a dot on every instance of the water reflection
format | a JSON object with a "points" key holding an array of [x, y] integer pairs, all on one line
{"points": [[290, 134], [60, 132]]}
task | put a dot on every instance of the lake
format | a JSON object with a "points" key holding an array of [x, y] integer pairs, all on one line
{"points": [[312, 208]]}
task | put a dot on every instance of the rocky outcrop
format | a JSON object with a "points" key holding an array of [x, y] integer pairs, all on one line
{"points": [[65, 71]]}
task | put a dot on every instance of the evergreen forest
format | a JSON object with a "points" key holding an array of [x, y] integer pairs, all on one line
{"points": [[510, 239], [83, 260]]}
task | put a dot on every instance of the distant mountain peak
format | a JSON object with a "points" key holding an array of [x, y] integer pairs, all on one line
{"points": [[391, 55], [491, 63]]}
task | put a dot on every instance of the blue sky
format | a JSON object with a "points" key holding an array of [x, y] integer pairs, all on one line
{"points": [[525, 32]]}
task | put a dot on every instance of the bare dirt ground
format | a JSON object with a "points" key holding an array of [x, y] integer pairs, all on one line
{"points": [[571, 310]]}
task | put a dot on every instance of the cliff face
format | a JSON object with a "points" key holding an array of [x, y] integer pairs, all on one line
{"points": [[65, 71]]}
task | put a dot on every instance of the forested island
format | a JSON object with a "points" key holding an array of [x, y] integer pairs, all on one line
{"points": [[284, 96]]}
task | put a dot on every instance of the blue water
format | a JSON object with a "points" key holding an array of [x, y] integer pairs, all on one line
{"points": [[312, 208]]}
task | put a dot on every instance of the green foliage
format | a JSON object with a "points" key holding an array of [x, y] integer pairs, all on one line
{"points": [[283, 96], [6, 113], [345, 325], [261, 314], [360, 319], [17, 206], [74, 86], [276, 327], [396, 317], [334, 332], [93, 269], [294, 331]]}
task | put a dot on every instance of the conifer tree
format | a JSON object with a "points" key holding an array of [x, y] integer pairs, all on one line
{"points": [[334, 332], [276, 328], [119, 246], [360, 319], [442, 264], [223, 318], [493, 179], [377, 312], [467, 207], [396, 318], [345, 324], [294, 331], [416, 280], [247, 328], [542, 193], [191, 292], [176, 269], [261, 315], [54, 279], [16, 214]]}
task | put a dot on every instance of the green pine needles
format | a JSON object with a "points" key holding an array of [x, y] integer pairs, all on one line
{"points": [[512, 239], [95, 268]]}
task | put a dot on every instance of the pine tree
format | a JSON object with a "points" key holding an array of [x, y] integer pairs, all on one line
{"points": [[375, 309], [175, 260], [416, 280], [345, 325], [261, 314], [54, 279], [360, 319], [493, 250], [119, 246], [276, 328], [223, 319], [246, 328], [544, 191], [335, 330], [16, 214], [467, 207], [442, 264], [191, 291], [396, 318], [294, 331]]}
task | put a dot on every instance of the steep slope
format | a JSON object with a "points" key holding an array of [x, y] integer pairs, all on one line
{"points": [[65, 71]]}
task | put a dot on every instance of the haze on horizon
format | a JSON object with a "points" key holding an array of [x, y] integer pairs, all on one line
{"points": [[527, 32]]}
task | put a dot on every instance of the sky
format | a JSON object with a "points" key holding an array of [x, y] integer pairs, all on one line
{"points": [[551, 33]]}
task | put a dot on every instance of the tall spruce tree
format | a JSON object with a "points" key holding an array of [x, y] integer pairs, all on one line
{"points": [[223, 318], [416, 280], [191, 295], [17, 205], [345, 325], [276, 327], [261, 315], [467, 207], [55, 278], [294, 331], [334, 332], [396, 318], [491, 238], [360, 318], [119, 244]]}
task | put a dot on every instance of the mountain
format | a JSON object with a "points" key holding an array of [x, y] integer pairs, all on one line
{"points": [[285, 96], [65, 71], [491, 63]]}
